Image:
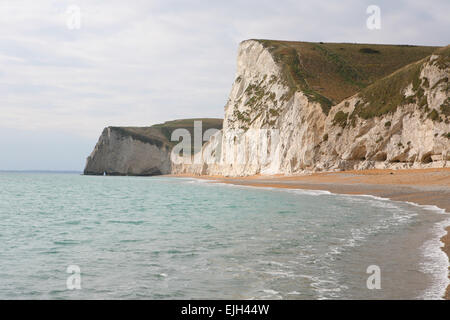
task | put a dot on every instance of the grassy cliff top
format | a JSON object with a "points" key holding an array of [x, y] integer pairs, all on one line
{"points": [[168, 127], [330, 72], [160, 134], [386, 94]]}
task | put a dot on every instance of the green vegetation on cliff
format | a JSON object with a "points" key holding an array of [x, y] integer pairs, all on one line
{"points": [[386, 94], [144, 134], [160, 134], [330, 72]]}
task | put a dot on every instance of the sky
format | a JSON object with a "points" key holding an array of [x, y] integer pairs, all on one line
{"points": [[70, 68]]}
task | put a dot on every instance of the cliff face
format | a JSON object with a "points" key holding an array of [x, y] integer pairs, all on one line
{"points": [[413, 133], [118, 152], [299, 107], [141, 151], [281, 118]]}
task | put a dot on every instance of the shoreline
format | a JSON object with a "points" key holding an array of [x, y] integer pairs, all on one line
{"points": [[418, 186]]}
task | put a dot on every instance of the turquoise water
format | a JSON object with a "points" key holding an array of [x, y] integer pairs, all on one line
{"points": [[173, 238]]}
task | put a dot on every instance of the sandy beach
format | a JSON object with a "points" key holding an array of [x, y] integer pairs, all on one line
{"points": [[420, 186]]}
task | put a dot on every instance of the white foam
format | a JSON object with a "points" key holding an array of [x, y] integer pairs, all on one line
{"points": [[427, 207], [436, 261], [270, 291], [196, 180], [435, 258], [271, 294], [279, 273], [309, 192], [364, 196]]}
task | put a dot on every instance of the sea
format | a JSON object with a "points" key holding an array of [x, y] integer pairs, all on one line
{"points": [[69, 236]]}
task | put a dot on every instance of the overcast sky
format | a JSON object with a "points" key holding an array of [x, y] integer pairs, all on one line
{"points": [[140, 62]]}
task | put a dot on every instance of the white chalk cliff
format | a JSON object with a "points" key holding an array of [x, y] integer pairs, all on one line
{"points": [[299, 107], [140, 151], [118, 152], [269, 128]]}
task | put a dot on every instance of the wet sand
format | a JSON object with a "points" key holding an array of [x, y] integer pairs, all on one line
{"points": [[421, 186]]}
